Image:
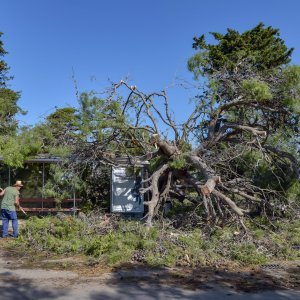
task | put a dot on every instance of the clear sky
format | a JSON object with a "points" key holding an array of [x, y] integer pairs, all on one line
{"points": [[96, 40]]}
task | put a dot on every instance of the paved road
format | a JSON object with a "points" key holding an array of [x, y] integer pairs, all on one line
{"points": [[23, 284]]}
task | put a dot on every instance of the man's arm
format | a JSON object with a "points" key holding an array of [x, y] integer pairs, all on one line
{"points": [[17, 201], [2, 192]]}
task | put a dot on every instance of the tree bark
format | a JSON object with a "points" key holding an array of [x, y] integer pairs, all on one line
{"points": [[228, 201], [155, 194]]}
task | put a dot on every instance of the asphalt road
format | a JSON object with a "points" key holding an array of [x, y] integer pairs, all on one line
{"points": [[18, 283]]}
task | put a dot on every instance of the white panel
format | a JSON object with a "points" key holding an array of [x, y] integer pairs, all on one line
{"points": [[125, 195]]}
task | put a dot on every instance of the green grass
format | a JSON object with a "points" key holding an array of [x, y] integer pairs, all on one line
{"points": [[124, 241]]}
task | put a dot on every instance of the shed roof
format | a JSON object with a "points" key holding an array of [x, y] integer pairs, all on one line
{"points": [[123, 160]]}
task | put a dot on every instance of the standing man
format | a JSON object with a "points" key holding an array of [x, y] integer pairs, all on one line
{"points": [[10, 202]]}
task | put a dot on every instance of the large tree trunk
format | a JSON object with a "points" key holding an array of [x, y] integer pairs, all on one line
{"points": [[211, 179], [155, 194]]}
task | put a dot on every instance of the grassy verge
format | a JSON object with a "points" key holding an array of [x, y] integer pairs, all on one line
{"points": [[114, 242]]}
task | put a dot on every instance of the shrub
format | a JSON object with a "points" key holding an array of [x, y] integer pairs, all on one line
{"points": [[124, 241]]}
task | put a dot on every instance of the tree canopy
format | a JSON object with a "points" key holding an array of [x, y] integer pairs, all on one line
{"points": [[261, 47], [8, 98], [8, 110]]}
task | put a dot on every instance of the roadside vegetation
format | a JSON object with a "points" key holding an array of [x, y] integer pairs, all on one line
{"points": [[110, 240]]}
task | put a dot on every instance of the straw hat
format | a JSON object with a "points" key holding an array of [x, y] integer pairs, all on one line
{"points": [[18, 183]]}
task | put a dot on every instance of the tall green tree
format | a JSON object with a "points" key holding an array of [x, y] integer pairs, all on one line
{"points": [[9, 146], [252, 96], [8, 98]]}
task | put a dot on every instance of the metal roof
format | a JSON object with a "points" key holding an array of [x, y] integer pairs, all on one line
{"points": [[131, 161], [123, 160], [42, 158]]}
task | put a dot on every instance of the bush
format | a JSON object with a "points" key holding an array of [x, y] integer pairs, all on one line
{"points": [[247, 253], [114, 241]]}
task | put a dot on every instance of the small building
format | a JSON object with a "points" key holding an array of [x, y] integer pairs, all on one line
{"points": [[34, 175], [126, 180]]}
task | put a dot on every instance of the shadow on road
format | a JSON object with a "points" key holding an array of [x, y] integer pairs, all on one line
{"points": [[199, 283], [12, 288]]}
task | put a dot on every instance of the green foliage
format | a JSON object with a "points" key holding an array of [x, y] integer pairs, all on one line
{"points": [[197, 62], [178, 163], [157, 247], [184, 146], [290, 232], [8, 110], [179, 207], [253, 67], [98, 117], [56, 235], [61, 183], [255, 89], [261, 47], [247, 253], [293, 191], [155, 162], [16, 149], [281, 247], [3, 65], [258, 233], [62, 122], [290, 88], [113, 248], [8, 100], [12, 153], [225, 242]]}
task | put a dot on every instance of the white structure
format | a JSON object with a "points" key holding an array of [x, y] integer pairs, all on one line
{"points": [[126, 181]]}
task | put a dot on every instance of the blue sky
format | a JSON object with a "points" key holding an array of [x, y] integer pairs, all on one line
{"points": [[150, 41]]}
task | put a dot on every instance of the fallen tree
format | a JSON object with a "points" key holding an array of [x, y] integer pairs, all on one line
{"points": [[237, 149]]}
